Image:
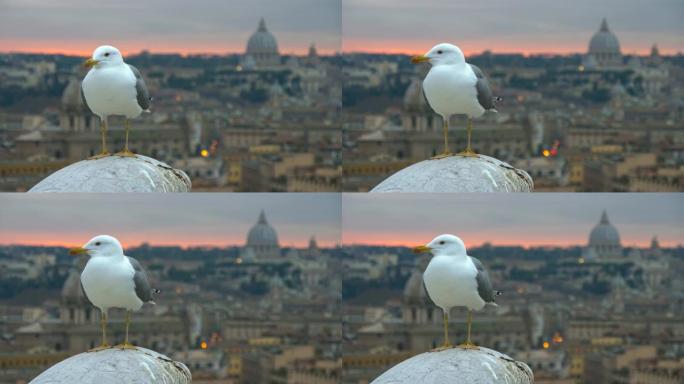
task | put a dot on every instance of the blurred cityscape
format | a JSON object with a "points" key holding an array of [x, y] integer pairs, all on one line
{"points": [[258, 313], [604, 120], [262, 121], [257, 121], [599, 313]]}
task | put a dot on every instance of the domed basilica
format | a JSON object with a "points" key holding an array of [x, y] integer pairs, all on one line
{"points": [[262, 49], [262, 242], [604, 242], [604, 49]]}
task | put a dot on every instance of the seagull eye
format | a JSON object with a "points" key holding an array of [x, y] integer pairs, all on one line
{"points": [[97, 244], [107, 54], [439, 52], [441, 242]]}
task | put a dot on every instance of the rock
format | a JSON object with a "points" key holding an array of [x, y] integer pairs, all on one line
{"points": [[115, 366], [458, 366], [116, 174], [458, 174]]}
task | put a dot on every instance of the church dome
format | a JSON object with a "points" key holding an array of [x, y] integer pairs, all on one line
{"points": [[262, 235], [72, 293], [605, 47], [262, 42], [604, 235], [414, 98], [414, 291], [71, 97]]}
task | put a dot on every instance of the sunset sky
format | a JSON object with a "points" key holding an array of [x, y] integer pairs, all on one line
{"points": [[527, 26], [161, 219], [202, 26], [556, 219], [390, 26]]}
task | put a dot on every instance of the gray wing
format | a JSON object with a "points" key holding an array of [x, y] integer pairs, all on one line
{"points": [[484, 93], [142, 285], [484, 286], [141, 89], [85, 102]]}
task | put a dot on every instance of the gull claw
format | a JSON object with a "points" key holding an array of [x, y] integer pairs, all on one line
{"points": [[100, 347], [125, 153], [442, 348], [467, 153], [442, 156], [100, 155], [125, 346], [468, 345]]}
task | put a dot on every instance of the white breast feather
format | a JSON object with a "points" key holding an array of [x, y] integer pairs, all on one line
{"points": [[450, 90], [450, 282], [111, 91], [109, 283]]}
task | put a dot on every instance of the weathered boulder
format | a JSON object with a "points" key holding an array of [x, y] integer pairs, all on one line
{"points": [[458, 174], [458, 366], [116, 174], [116, 366]]}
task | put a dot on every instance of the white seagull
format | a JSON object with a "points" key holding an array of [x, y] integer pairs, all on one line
{"points": [[454, 87], [111, 279], [454, 279], [111, 88]]}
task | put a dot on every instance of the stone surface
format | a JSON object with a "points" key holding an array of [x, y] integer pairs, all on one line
{"points": [[458, 174], [115, 366], [116, 174], [458, 366]]}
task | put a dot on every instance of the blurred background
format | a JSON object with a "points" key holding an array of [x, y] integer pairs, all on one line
{"points": [[249, 292], [246, 93], [591, 282], [592, 94]]}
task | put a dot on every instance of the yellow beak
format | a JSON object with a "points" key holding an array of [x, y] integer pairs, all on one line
{"points": [[90, 62], [422, 249], [419, 59], [78, 251]]}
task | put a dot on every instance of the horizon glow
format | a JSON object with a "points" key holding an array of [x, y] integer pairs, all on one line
{"points": [[135, 49]]}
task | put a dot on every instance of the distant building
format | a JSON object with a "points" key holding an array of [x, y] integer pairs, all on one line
{"points": [[604, 241], [604, 49], [262, 241], [613, 365], [417, 115], [74, 115], [417, 307], [262, 49]]}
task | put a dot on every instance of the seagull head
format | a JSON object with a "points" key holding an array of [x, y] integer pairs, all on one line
{"points": [[99, 246], [104, 55], [443, 53], [443, 245]]}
